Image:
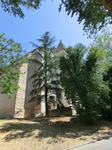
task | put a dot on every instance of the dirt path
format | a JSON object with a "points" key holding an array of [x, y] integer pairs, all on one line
{"points": [[49, 133]]}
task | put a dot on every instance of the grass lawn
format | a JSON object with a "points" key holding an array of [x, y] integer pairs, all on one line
{"points": [[49, 133]]}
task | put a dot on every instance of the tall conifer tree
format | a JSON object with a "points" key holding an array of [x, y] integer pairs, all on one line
{"points": [[45, 76]]}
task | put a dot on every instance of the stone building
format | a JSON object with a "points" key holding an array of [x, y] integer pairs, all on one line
{"points": [[18, 105]]}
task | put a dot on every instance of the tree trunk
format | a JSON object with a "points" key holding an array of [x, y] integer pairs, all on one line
{"points": [[46, 103]]}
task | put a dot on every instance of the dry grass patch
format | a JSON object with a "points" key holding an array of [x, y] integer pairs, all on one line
{"points": [[49, 133]]}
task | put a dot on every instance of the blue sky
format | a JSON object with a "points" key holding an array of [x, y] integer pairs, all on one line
{"points": [[36, 23]]}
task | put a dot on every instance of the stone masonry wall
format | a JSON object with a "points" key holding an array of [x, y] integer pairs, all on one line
{"points": [[7, 106], [18, 105], [20, 95], [30, 108]]}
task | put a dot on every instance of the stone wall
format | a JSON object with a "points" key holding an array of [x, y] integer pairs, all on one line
{"points": [[7, 106], [30, 108], [20, 95], [14, 107], [18, 105]]}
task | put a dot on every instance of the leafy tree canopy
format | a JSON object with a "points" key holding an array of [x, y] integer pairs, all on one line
{"points": [[10, 54], [15, 6], [104, 42], [82, 80], [93, 13]]}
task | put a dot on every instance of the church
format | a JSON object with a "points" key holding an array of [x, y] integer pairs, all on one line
{"points": [[18, 106]]}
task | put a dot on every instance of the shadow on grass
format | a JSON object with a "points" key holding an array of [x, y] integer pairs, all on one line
{"points": [[44, 127]]}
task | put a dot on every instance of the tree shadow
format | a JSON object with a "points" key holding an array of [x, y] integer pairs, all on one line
{"points": [[45, 127]]}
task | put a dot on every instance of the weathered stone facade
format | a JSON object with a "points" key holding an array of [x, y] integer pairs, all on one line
{"points": [[18, 105], [7, 106]]}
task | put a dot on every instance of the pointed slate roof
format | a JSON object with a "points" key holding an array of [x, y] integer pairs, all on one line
{"points": [[60, 47]]}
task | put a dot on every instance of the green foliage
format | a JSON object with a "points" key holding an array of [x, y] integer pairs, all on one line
{"points": [[108, 78], [10, 54], [45, 78], [104, 42], [83, 82], [92, 13], [15, 6], [95, 14]]}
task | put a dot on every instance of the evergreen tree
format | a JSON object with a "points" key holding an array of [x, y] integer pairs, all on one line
{"points": [[45, 78]]}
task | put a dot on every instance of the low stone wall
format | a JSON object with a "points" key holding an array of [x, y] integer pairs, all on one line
{"points": [[61, 111]]}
